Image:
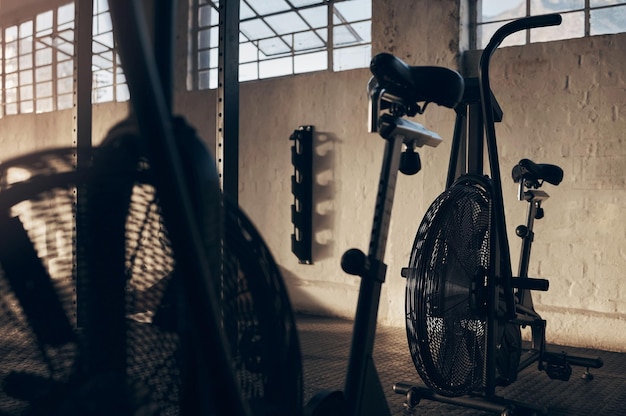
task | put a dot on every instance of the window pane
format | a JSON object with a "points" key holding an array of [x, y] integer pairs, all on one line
{"points": [[275, 67], [208, 38], [10, 34], [43, 57], [26, 92], [352, 11], [596, 3], [10, 82], [256, 29], [26, 45], [248, 52], [286, 23], [100, 6], [26, 29], [26, 106], [65, 101], [494, 10], [208, 16], [43, 73], [350, 58], [44, 89], [299, 3], [102, 23], [26, 77], [11, 95], [11, 109], [65, 14], [65, 85], [610, 20], [351, 34], [10, 65], [207, 79], [573, 26], [543, 7], [316, 17], [44, 21], [486, 31], [245, 12], [103, 95], [26, 61], [10, 50], [248, 72], [44, 105], [307, 40], [122, 93], [203, 59], [273, 46], [264, 7], [311, 62], [65, 69]]}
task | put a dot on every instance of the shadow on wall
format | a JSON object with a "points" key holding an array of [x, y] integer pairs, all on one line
{"points": [[297, 296], [323, 194]]}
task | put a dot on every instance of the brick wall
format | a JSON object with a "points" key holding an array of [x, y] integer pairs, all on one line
{"points": [[564, 103]]}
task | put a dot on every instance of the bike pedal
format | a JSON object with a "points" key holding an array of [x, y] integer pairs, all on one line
{"points": [[559, 371]]}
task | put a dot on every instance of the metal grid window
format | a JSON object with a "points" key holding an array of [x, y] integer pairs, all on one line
{"points": [[37, 62], [580, 18], [109, 83], [281, 37]]}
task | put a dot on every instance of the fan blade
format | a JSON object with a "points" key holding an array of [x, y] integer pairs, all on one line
{"points": [[32, 285]]}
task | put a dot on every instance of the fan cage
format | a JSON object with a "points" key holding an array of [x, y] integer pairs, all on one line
{"points": [[445, 289], [47, 193]]}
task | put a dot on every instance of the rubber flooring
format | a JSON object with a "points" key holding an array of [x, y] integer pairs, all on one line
{"points": [[325, 344]]}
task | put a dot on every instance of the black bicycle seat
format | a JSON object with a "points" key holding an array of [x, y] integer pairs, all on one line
{"points": [[528, 170], [435, 84]]}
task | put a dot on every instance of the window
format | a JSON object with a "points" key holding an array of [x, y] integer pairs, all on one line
{"points": [[109, 83], [580, 18], [37, 62], [281, 37]]}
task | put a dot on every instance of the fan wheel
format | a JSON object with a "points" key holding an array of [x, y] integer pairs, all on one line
{"points": [[101, 248], [445, 289]]}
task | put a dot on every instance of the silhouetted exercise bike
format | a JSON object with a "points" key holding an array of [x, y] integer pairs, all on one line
{"points": [[128, 284], [464, 306], [395, 91]]}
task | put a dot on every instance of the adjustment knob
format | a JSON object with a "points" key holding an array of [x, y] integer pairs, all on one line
{"points": [[410, 162], [539, 215], [521, 231], [354, 262]]}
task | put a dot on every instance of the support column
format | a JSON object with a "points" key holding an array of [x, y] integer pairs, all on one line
{"points": [[227, 138]]}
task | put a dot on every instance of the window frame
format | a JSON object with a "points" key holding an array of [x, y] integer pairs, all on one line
{"points": [[202, 58], [587, 8]]}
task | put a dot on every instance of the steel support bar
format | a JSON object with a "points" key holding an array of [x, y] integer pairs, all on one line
{"points": [[362, 387], [82, 82], [227, 138], [154, 121], [82, 131]]}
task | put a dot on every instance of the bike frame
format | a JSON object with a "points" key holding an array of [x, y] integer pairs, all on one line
{"points": [[149, 81], [474, 132]]}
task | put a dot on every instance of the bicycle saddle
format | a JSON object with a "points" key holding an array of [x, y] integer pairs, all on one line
{"points": [[528, 170], [435, 84]]}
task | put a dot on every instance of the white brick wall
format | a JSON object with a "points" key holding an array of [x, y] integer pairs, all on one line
{"points": [[564, 103]]}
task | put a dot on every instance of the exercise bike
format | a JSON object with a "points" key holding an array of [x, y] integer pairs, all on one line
{"points": [[464, 306]]}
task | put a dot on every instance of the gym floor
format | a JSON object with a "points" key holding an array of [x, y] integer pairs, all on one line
{"points": [[325, 344]]}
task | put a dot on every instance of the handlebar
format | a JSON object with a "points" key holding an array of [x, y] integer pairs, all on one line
{"points": [[489, 122], [502, 33], [520, 24], [495, 41]]}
